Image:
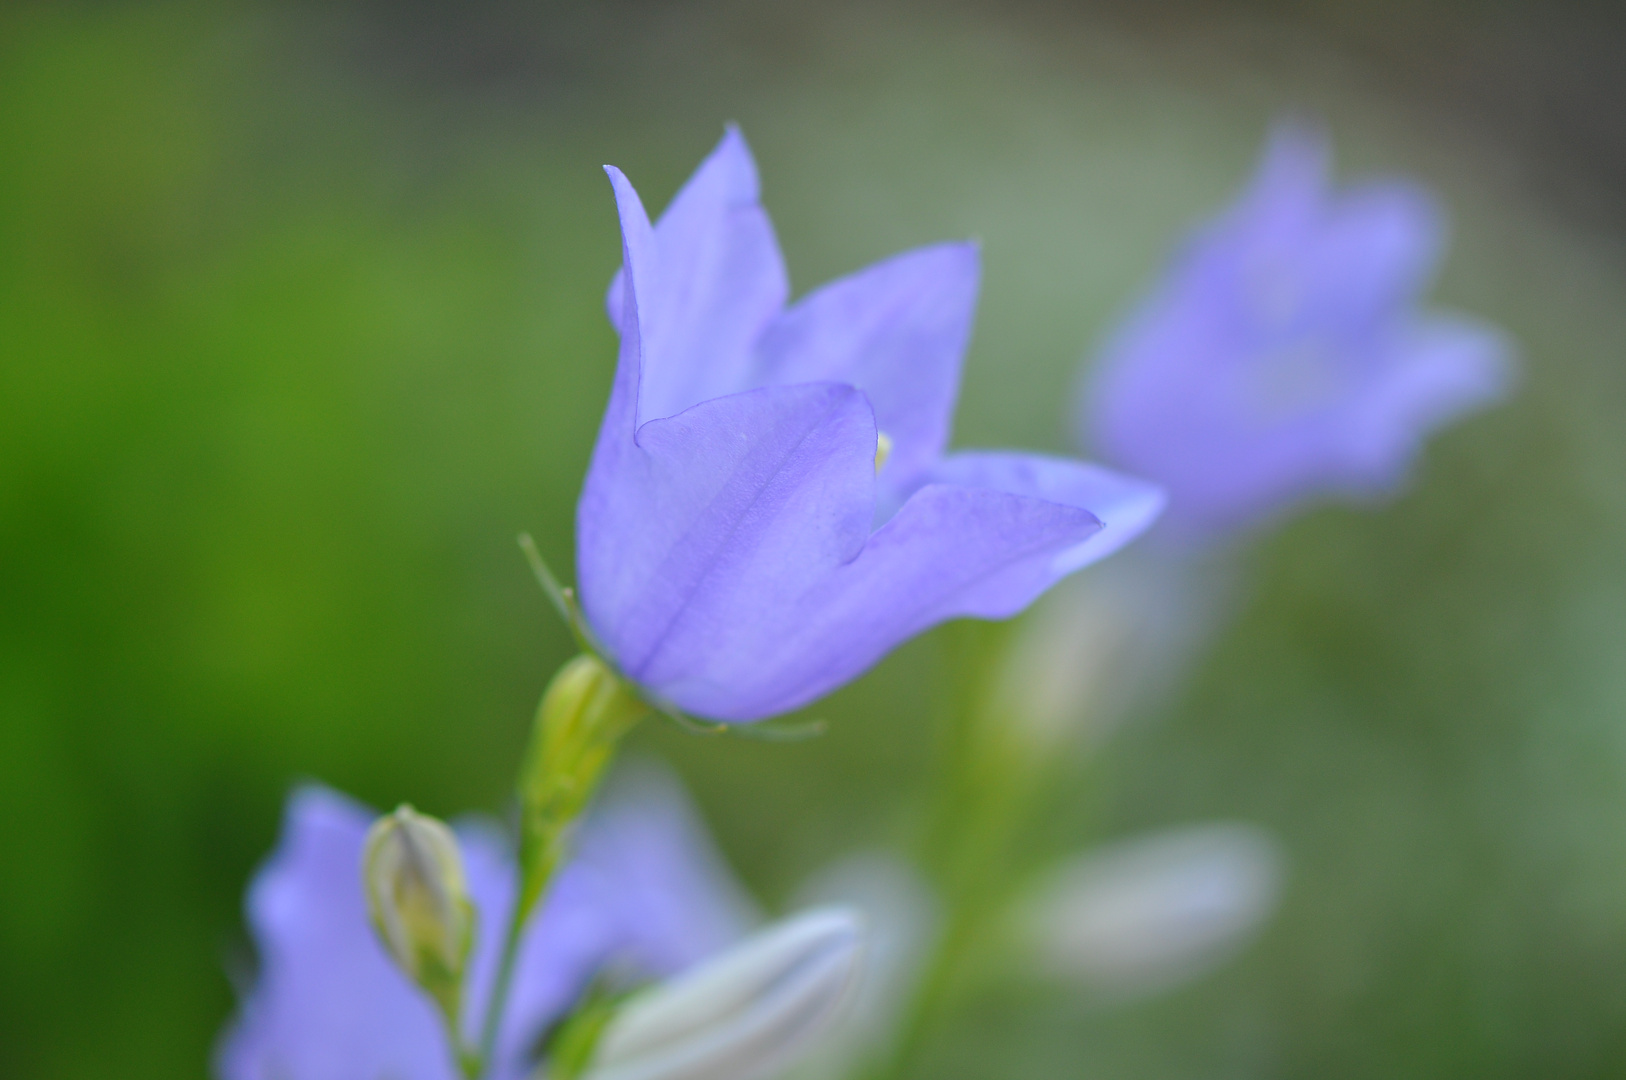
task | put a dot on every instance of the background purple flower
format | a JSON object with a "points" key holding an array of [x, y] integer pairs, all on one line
{"points": [[769, 509], [647, 894], [1282, 355]]}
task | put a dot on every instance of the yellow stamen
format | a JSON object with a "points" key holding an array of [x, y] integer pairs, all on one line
{"points": [[883, 449]]}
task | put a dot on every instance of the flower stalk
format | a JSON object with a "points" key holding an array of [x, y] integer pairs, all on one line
{"points": [[585, 711], [992, 781]]}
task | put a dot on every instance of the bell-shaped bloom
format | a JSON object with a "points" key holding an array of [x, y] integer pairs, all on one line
{"points": [[1283, 355], [646, 895], [770, 508]]}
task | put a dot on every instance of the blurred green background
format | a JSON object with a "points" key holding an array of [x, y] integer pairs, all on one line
{"points": [[301, 323]]}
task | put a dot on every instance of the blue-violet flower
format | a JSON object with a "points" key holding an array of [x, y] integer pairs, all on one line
{"points": [[1282, 356], [646, 894], [769, 508]]}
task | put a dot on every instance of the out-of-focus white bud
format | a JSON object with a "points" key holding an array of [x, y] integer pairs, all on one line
{"points": [[1056, 679], [901, 916], [743, 1015], [419, 902], [1090, 650], [1146, 914]]}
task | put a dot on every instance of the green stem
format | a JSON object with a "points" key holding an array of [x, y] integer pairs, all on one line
{"points": [[585, 711], [937, 982], [499, 994], [975, 884], [990, 788]]}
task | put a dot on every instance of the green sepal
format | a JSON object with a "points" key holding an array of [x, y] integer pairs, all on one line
{"points": [[569, 1046], [760, 731]]}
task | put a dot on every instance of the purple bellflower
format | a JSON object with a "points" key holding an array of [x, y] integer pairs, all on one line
{"points": [[645, 895], [1282, 357], [770, 508]]}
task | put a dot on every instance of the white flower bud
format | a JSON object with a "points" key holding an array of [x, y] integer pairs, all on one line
{"points": [[1146, 914], [419, 902], [901, 921], [1057, 678], [1100, 645], [743, 1015]]}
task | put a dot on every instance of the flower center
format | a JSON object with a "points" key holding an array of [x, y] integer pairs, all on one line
{"points": [[883, 449]]}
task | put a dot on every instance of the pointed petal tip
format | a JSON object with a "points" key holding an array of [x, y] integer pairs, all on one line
{"points": [[969, 249], [1297, 155], [834, 923], [948, 257], [618, 179], [314, 800], [732, 162], [1300, 132], [629, 205], [1474, 363]]}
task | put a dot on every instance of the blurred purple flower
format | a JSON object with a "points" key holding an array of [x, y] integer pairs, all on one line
{"points": [[646, 894], [769, 508], [1283, 357]]}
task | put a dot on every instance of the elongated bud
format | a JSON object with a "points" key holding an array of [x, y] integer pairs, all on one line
{"points": [[419, 903], [743, 1015], [1149, 913], [900, 920], [1059, 678], [1100, 646], [586, 709]]}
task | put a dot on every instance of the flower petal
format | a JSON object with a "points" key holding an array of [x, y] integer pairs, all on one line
{"points": [[1125, 506], [669, 890], [949, 551], [1378, 246], [897, 331], [566, 942], [731, 509], [1287, 194], [1447, 367], [714, 281], [637, 280]]}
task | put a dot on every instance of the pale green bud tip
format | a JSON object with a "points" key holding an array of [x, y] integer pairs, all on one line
{"points": [[419, 902], [587, 701], [744, 1015]]}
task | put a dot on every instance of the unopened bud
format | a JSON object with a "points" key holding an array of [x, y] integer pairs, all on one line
{"points": [[1147, 914], [585, 710], [1101, 646], [743, 1015], [900, 920], [1062, 675], [419, 902]]}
